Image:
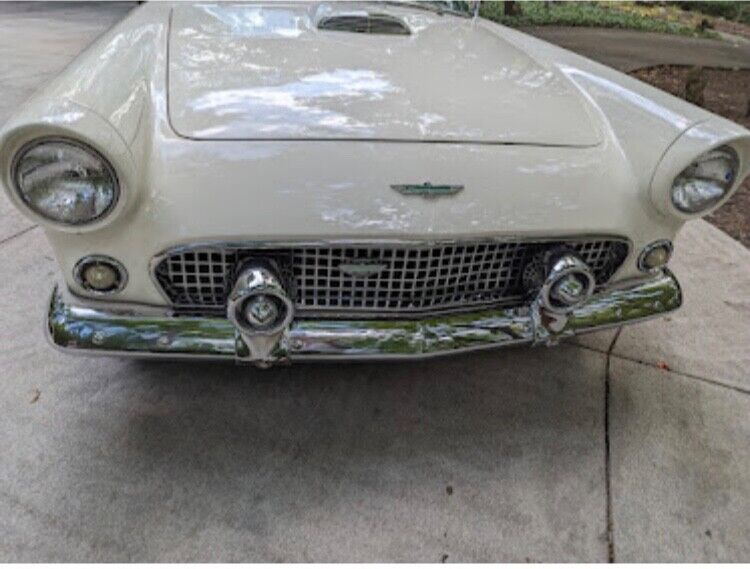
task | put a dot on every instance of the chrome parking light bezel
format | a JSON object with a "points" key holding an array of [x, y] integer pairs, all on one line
{"points": [[650, 247], [81, 265]]}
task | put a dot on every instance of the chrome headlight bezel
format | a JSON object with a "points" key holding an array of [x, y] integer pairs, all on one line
{"points": [[80, 145], [704, 136], [720, 188]]}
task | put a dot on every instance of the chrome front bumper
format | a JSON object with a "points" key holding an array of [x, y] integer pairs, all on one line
{"points": [[129, 331]]}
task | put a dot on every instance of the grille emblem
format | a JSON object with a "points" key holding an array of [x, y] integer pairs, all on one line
{"points": [[427, 189], [362, 268], [261, 310]]}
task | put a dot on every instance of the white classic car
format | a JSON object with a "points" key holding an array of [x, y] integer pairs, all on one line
{"points": [[275, 182]]}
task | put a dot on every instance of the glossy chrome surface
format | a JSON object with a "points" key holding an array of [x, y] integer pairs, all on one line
{"points": [[708, 138], [704, 183], [569, 284], [384, 278], [96, 331], [668, 247], [87, 261], [258, 280], [260, 308], [88, 159]]}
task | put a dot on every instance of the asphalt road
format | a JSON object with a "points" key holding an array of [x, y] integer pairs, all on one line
{"points": [[627, 50], [578, 453]]}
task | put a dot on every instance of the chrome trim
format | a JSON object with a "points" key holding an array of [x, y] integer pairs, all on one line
{"points": [[220, 245], [726, 187], [259, 281], [104, 259], [73, 142], [94, 331], [650, 247], [565, 266], [344, 242]]}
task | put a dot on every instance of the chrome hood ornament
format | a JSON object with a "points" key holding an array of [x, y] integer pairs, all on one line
{"points": [[427, 189]]}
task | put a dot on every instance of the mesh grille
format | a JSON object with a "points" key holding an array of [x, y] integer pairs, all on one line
{"points": [[398, 279]]}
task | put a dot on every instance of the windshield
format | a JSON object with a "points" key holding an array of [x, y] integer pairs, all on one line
{"points": [[458, 7]]}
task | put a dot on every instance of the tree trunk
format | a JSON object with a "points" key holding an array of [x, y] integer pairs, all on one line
{"points": [[695, 84], [510, 8]]}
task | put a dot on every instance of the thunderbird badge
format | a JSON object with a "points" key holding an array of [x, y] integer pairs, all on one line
{"points": [[427, 189], [362, 268]]}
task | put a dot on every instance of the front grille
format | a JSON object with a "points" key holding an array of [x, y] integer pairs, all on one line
{"points": [[405, 279]]}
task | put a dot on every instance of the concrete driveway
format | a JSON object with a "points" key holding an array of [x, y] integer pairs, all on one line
{"points": [[586, 452]]}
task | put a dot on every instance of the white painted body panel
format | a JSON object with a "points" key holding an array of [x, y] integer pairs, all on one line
{"points": [[267, 72], [179, 190]]}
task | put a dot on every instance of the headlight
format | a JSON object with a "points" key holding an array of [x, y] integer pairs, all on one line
{"points": [[706, 181], [65, 181]]}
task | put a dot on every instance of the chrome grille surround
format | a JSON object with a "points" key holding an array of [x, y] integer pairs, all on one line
{"points": [[414, 277]]}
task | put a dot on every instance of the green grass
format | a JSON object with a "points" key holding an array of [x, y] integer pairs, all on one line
{"points": [[587, 14], [737, 11]]}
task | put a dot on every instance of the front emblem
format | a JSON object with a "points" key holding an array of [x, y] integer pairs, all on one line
{"points": [[427, 189], [260, 310], [362, 268]]}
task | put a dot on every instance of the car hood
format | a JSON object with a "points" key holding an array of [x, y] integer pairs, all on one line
{"points": [[268, 72]]}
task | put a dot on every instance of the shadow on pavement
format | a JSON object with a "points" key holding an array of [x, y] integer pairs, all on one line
{"points": [[512, 441]]}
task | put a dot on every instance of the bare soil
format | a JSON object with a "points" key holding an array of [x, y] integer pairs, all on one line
{"points": [[730, 27], [727, 93]]}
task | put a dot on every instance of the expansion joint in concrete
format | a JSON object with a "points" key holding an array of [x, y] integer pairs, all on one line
{"points": [[607, 455], [18, 234]]}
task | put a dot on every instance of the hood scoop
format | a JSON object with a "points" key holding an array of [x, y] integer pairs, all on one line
{"points": [[365, 23]]}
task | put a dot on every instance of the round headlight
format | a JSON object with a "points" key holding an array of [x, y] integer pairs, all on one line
{"points": [[706, 181], [65, 181]]}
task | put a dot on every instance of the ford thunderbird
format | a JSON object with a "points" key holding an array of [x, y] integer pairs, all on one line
{"points": [[273, 182]]}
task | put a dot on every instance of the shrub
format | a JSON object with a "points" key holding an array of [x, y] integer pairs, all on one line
{"points": [[739, 11]]}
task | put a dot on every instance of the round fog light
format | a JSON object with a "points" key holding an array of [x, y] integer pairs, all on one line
{"points": [[100, 275], [655, 256]]}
